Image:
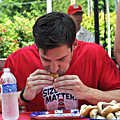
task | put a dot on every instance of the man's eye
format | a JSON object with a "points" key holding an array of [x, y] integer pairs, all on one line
{"points": [[46, 60], [62, 59]]}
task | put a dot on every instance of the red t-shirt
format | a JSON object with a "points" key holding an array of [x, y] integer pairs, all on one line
{"points": [[90, 62]]}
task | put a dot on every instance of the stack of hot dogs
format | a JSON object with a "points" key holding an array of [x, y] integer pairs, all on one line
{"points": [[102, 110]]}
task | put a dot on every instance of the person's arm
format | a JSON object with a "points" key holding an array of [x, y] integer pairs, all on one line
{"points": [[82, 92], [35, 83], [21, 102], [117, 37], [94, 95]]}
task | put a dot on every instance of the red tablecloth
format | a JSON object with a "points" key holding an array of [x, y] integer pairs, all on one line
{"points": [[26, 116]]}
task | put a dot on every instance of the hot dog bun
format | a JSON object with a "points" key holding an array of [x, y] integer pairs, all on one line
{"points": [[100, 106], [100, 117], [82, 109], [117, 115], [85, 110], [93, 113], [54, 75], [110, 116], [106, 108], [103, 110]]}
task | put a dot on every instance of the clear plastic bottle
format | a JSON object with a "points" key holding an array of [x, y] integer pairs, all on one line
{"points": [[10, 109]]}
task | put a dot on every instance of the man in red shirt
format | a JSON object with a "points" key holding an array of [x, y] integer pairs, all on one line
{"points": [[87, 74]]}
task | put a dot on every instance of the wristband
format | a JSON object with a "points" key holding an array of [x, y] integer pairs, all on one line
{"points": [[21, 96]]}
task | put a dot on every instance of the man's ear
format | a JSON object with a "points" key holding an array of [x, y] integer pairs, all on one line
{"points": [[75, 44]]}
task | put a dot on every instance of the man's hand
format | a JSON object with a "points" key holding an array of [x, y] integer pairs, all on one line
{"points": [[71, 84], [35, 82]]}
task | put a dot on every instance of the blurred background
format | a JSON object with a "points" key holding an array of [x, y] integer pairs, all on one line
{"points": [[18, 16]]}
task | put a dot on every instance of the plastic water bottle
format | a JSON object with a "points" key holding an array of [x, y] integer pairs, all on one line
{"points": [[10, 109]]}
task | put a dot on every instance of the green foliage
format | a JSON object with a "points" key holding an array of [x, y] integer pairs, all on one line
{"points": [[14, 35], [16, 22], [88, 23], [111, 5], [18, 33], [112, 32], [14, 8], [62, 5]]}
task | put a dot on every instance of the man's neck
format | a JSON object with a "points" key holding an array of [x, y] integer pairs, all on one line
{"points": [[78, 28]]}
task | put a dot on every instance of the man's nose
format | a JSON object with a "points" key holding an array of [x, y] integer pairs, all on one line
{"points": [[54, 67]]}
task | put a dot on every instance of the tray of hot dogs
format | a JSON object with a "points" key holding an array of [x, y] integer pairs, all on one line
{"points": [[103, 110]]}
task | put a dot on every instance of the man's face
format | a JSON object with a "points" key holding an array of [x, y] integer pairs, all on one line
{"points": [[77, 18], [56, 60]]}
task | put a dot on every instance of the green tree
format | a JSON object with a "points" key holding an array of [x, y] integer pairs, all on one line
{"points": [[12, 8], [62, 5], [16, 21], [38, 9], [111, 5]]}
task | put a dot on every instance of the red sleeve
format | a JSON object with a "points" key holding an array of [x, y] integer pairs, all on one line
{"points": [[110, 75]]}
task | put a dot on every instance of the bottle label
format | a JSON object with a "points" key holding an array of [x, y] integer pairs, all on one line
{"points": [[9, 88]]}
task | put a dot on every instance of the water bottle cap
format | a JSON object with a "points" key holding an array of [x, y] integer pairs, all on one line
{"points": [[6, 70]]}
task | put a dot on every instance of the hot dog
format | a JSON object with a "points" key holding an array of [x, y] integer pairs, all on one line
{"points": [[93, 113], [85, 110], [110, 116], [54, 76], [106, 108]]}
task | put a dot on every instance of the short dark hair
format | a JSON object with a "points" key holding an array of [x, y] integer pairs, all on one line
{"points": [[53, 30]]}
